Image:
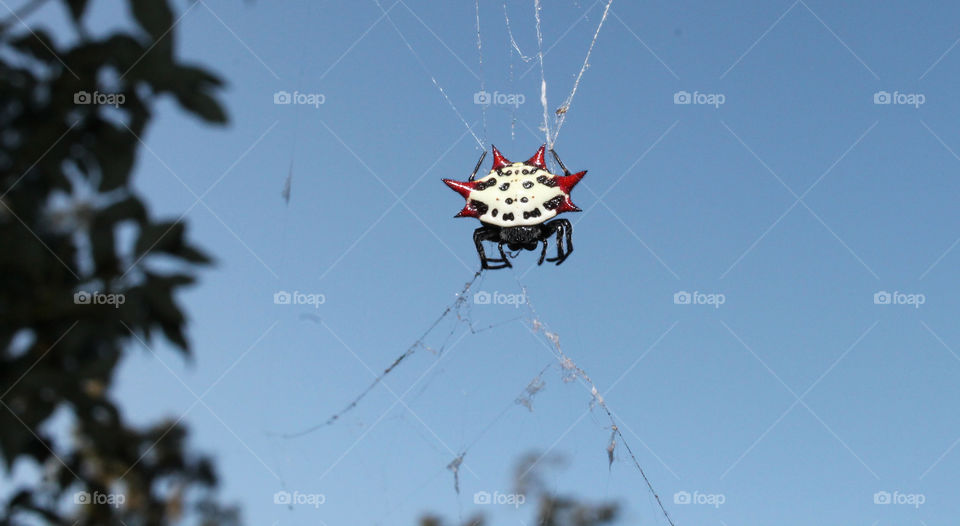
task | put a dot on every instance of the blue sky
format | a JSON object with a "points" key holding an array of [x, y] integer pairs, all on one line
{"points": [[798, 400]]}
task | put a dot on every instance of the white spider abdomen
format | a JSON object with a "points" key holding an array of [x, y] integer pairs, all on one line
{"points": [[517, 195]]}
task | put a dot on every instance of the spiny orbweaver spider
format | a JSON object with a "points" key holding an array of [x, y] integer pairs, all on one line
{"points": [[515, 202]]}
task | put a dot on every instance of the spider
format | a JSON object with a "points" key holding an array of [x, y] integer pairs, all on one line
{"points": [[515, 202]]}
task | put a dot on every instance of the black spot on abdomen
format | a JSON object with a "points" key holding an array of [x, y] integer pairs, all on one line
{"points": [[483, 185], [535, 213], [547, 181], [480, 207], [508, 217], [552, 204]]}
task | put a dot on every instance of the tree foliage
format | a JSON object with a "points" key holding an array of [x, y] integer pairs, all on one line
{"points": [[551, 509], [73, 235]]}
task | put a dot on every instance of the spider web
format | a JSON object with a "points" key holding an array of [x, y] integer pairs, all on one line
{"points": [[458, 311]]}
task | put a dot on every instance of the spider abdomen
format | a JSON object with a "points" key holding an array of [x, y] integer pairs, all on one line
{"points": [[517, 195], [516, 202]]}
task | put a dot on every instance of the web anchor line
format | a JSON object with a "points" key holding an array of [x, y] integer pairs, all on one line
{"points": [[560, 114], [461, 298], [565, 107], [513, 84], [525, 398], [431, 75], [513, 41], [483, 85], [577, 372], [543, 78]]}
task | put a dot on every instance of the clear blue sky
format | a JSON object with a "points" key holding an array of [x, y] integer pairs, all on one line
{"points": [[797, 199]]}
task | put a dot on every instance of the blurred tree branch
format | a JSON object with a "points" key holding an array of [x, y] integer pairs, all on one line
{"points": [[77, 286], [18, 15]]}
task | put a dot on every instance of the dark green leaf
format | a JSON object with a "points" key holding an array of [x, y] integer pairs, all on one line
{"points": [[77, 8], [194, 77], [36, 43], [124, 50], [174, 333], [129, 209], [203, 106], [154, 16], [116, 153], [194, 255], [160, 237], [103, 246]]}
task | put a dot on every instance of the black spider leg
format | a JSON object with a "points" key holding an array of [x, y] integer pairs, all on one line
{"points": [[557, 157], [543, 252], [477, 167], [486, 233], [564, 231], [503, 254]]}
